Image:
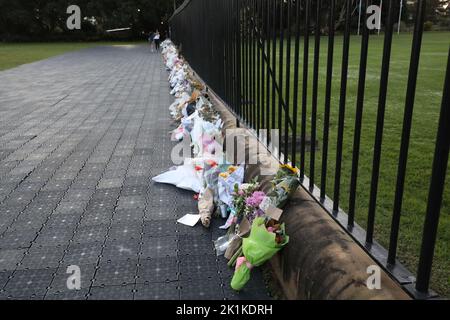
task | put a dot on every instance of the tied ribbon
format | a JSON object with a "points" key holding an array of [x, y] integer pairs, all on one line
{"points": [[241, 260]]}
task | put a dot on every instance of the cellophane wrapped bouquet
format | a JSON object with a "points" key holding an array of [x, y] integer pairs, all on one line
{"points": [[266, 238]]}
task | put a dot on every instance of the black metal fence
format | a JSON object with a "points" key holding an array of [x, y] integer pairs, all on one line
{"points": [[244, 50]]}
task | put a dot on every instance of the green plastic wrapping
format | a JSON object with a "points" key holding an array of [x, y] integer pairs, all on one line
{"points": [[257, 248]]}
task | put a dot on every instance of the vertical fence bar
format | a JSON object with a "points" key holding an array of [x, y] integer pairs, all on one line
{"points": [[250, 61], [268, 3], [436, 189], [258, 65], [358, 117], [233, 79], [274, 64], [407, 120], [280, 74], [314, 97], [234, 42], [247, 58], [243, 54], [296, 78], [227, 54], [304, 89], [342, 101], [238, 24], [254, 64], [380, 121], [231, 41], [288, 81], [255, 80], [263, 64], [326, 117]]}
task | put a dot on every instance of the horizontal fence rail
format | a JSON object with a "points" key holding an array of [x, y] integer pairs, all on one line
{"points": [[262, 58]]}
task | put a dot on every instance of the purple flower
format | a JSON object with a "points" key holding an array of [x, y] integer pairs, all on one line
{"points": [[254, 214], [255, 199], [259, 213]]}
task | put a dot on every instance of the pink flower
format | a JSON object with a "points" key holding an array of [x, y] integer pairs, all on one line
{"points": [[255, 199]]}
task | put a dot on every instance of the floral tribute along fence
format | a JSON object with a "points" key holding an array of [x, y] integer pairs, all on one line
{"points": [[243, 50], [252, 215]]}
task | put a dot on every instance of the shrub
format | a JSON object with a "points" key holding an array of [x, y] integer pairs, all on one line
{"points": [[428, 26]]}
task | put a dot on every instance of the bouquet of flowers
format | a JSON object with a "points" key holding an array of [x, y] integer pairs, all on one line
{"points": [[241, 193], [238, 223], [284, 184], [227, 181], [266, 238]]}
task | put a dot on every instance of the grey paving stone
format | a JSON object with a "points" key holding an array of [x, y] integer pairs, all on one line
{"points": [[79, 254], [42, 258], [55, 236], [4, 278], [195, 245], [158, 270], [125, 292], [122, 249], [68, 295], [110, 183], [90, 234], [62, 221], [159, 228], [127, 216], [131, 202], [17, 239], [96, 218], [126, 232], [198, 267], [159, 247], [29, 283], [70, 207], [197, 230], [157, 291], [10, 258], [201, 290], [159, 213], [119, 272], [28, 222]]}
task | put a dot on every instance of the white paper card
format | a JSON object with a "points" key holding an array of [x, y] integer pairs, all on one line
{"points": [[189, 219]]}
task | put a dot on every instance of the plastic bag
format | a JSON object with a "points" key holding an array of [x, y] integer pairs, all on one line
{"points": [[184, 177], [222, 243]]}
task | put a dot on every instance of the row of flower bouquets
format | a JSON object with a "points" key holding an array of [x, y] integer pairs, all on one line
{"points": [[254, 232]]}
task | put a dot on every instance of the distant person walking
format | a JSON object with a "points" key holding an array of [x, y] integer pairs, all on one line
{"points": [[157, 40], [151, 35]]}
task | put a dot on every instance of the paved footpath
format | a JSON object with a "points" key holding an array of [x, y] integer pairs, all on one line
{"points": [[81, 135]]}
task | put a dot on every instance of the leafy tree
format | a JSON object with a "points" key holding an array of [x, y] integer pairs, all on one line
{"points": [[42, 19]]}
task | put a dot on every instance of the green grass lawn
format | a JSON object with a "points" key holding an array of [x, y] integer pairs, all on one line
{"points": [[427, 105], [15, 54]]}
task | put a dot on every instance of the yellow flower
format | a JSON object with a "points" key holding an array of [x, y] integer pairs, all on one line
{"points": [[232, 169], [224, 175], [289, 167]]}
